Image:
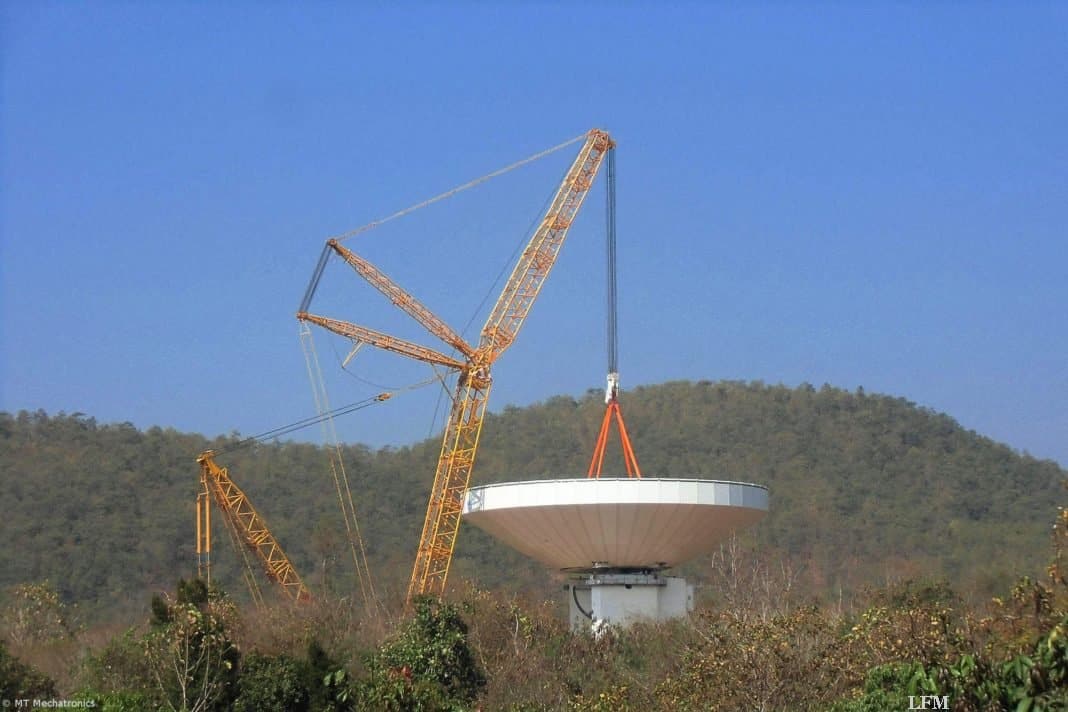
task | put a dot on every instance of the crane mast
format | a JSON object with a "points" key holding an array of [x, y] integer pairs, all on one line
{"points": [[460, 444], [242, 517], [461, 436]]}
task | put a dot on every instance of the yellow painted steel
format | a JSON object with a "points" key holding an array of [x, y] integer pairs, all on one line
{"points": [[251, 527], [382, 341], [540, 254], [402, 299], [460, 442], [455, 463], [204, 532]]}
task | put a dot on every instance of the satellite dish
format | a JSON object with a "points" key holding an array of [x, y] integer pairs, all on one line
{"points": [[615, 524]]}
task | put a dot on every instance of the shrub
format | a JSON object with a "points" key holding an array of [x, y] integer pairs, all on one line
{"points": [[429, 666], [272, 683], [19, 680]]}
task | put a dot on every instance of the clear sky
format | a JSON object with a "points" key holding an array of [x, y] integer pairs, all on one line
{"points": [[859, 194]]}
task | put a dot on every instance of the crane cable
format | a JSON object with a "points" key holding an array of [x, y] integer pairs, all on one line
{"points": [[458, 189], [630, 460], [341, 481], [389, 391], [445, 392], [307, 422], [313, 284], [247, 574], [315, 372], [337, 468], [610, 249]]}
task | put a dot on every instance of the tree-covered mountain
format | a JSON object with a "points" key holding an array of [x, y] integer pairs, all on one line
{"points": [[863, 487]]}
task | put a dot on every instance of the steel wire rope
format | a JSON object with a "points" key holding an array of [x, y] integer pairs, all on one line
{"points": [[443, 393], [538, 217], [492, 287], [387, 389], [304, 423], [322, 403], [389, 393], [458, 189], [247, 574], [337, 463], [438, 377], [352, 526], [612, 293], [510, 262], [324, 256]]}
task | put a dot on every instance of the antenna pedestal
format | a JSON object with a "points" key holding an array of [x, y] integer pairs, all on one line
{"points": [[621, 597], [616, 536]]}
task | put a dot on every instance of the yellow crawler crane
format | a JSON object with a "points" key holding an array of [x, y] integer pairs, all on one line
{"points": [[460, 443], [246, 524]]}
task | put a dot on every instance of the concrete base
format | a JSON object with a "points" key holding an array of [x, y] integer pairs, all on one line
{"points": [[621, 599]]}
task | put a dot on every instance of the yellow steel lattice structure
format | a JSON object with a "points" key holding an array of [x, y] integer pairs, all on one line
{"points": [[249, 525], [460, 442]]}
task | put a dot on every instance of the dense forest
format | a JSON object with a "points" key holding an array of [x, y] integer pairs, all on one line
{"points": [[903, 556], [864, 489]]}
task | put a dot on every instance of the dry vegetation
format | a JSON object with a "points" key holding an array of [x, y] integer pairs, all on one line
{"points": [[756, 646]]}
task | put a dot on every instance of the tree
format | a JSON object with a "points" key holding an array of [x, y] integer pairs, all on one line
{"points": [[34, 613], [190, 655], [120, 670], [429, 666]]}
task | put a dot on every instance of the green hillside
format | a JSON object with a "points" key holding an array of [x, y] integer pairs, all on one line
{"points": [[863, 488]]}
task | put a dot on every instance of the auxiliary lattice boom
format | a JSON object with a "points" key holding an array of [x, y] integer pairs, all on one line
{"points": [[248, 524]]}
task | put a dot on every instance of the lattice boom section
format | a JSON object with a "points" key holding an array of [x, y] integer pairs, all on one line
{"points": [[460, 442], [381, 340], [451, 479], [540, 255], [402, 299], [252, 528]]}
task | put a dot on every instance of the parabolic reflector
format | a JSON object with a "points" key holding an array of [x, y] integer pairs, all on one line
{"points": [[584, 524]]}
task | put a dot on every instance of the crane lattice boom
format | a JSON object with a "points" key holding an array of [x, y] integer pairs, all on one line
{"points": [[237, 509], [461, 437], [460, 444], [383, 341], [540, 255], [402, 299]]}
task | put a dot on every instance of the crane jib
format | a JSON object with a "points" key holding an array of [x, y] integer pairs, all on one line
{"points": [[463, 428], [460, 443]]}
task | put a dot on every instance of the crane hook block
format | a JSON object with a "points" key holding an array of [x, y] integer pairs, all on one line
{"points": [[612, 389]]}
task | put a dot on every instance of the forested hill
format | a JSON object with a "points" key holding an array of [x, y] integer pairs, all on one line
{"points": [[862, 487]]}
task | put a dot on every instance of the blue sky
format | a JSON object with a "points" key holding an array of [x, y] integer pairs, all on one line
{"points": [[865, 195]]}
